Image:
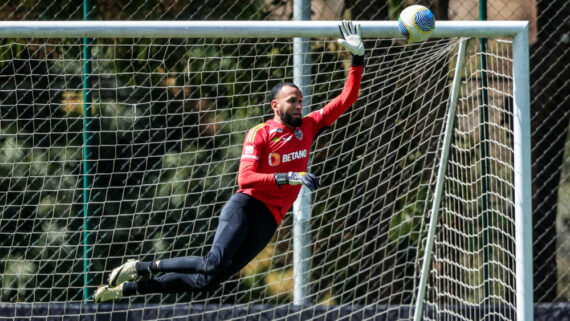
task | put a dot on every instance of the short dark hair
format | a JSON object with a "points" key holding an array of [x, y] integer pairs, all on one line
{"points": [[277, 88]]}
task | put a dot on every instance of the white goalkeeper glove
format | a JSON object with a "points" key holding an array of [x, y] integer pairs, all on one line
{"points": [[296, 178], [351, 38]]}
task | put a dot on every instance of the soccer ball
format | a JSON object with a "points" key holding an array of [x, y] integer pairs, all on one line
{"points": [[416, 23]]}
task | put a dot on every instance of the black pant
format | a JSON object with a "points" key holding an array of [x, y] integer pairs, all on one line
{"points": [[245, 227]]}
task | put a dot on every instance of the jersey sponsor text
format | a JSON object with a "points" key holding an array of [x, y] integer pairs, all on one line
{"points": [[294, 155]]}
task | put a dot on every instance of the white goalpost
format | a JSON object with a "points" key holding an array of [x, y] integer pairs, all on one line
{"points": [[420, 216]]}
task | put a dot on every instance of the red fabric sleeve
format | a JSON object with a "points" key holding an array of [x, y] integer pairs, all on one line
{"points": [[248, 176], [336, 107]]}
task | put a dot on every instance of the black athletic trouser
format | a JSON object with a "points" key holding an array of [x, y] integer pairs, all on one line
{"points": [[245, 227]]}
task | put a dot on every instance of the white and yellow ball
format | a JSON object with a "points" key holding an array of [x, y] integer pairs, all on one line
{"points": [[416, 23]]}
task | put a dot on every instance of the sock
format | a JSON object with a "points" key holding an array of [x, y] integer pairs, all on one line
{"points": [[130, 288], [145, 268]]}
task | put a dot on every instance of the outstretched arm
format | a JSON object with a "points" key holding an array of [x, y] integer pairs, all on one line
{"points": [[336, 107], [351, 41]]}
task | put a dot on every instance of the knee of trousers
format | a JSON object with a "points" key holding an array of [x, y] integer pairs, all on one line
{"points": [[213, 265], [204, 282], [213, 269]]}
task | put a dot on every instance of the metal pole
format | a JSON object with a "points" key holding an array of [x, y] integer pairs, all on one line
{"points": [[484, 149], [242, 29], [302, 206], [522, 177], [87, 154], [440, 178]]}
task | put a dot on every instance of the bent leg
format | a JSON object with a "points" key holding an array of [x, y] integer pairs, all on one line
{"points": [[261, 230], [245, 228], [255, 241], [232, 230], [230, 234]]}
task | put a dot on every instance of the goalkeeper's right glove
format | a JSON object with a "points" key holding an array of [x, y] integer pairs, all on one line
{"points": [[296, 178]]}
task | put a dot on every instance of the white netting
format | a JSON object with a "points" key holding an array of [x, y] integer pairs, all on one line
{"points": [[168, 121], [473, 264]]}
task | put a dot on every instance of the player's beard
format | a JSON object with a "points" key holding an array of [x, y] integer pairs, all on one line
{"points": [[290, 120]]}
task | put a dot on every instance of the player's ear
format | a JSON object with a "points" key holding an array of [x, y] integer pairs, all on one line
{"points": [[274, 106]]}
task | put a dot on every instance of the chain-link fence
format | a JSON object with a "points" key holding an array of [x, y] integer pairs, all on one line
{"points": [[550, 37]]}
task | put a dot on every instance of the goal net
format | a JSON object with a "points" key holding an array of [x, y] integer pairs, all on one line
{"points": [[134, 156]]}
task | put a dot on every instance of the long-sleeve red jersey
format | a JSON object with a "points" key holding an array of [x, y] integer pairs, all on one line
{"points": [[271, 148]]}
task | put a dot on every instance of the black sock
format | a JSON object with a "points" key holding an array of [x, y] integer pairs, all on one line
{"points": [[130, 288], [145, 268]]}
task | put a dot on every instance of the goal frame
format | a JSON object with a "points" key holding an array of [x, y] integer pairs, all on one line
{"points": [[517, 30]]}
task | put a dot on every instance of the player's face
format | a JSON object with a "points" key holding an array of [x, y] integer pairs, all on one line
{"points": [[288, 106]]}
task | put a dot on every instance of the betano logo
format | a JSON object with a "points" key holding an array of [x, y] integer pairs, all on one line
{"points": [[275, 159], [294, 155]]}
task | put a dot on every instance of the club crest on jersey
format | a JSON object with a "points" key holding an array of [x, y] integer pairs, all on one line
{"points": [[274, 159], [299, 134]]}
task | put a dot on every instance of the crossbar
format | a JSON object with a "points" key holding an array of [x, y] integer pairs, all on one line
{"points": [[241, 29]]}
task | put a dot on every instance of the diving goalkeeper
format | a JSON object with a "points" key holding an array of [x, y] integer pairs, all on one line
{"points": [[272, 168]]}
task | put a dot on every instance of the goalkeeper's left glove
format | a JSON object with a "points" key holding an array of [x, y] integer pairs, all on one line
{"points": [[351, 38], [296, 178]]}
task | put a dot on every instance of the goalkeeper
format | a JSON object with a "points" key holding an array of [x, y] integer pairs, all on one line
{"points": [[274, 159]]}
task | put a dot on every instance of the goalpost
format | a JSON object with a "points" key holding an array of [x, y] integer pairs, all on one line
{"points": [[402, 225]]}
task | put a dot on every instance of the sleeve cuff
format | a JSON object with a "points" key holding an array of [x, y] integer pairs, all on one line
{"points": [[281, 179], [357, 61]]}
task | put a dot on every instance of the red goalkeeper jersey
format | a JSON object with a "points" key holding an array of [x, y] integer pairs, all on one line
{"points": [[271, 148]]}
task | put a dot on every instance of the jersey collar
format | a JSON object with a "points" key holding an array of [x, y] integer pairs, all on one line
{"points": [[273, 123]]}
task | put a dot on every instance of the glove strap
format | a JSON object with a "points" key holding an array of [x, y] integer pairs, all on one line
{"points": [[281, 178], [357, 61]]}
